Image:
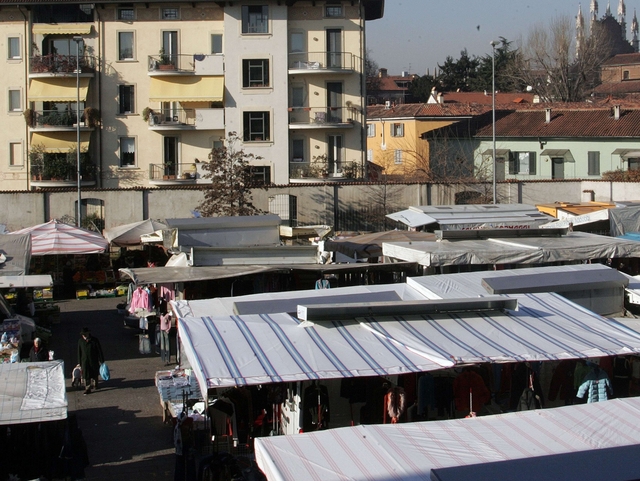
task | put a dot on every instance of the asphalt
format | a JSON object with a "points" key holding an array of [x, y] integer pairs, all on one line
{"points": [[122, 421]]}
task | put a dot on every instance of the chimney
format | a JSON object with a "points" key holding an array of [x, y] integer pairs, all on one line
{"points": [[547, 115], [616, 112], [405, 74], [440, 98], [382, 72]]}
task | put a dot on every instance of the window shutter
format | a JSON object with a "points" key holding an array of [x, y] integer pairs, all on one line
{"points": [[532, 163], [594, 163], [512, 162], [121, 99]]}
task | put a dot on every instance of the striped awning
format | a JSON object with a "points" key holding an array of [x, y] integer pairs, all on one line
{"points": [[58, 89], [259, 349], [60, 141], [55, 237], [61, 28], [178, 88]]}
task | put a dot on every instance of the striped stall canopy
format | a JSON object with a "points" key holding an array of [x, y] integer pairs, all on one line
{"points": [[587, 442], [267, 348], [55, 237]]}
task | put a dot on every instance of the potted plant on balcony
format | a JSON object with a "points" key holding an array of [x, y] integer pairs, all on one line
{"points": [[166, 61], [147, 113], [92, 116], [29, 117]]}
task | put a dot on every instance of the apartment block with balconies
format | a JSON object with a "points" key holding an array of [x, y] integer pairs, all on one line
{"points": [[146, 90]]}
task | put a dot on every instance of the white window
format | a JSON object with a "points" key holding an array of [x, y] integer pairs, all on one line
{"points": [[255, 73], [371, 130], [369, 155], [127, 151], [15, 100], [333, 11], [14, 48], [126, 99], [15, 154], [216, 43], [125, 46], [397, 130], [255, 19], [397, 156], [170, 14], [126, 14], [522, 163], [257, 127], [296, 40]]}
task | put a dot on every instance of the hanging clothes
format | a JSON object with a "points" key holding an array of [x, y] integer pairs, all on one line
{"points": [[596, 385], [140, 299], [323, 284], [395, 404], [466, 382], [530, 399], [562, 381], [316, 408], [426, 394]]}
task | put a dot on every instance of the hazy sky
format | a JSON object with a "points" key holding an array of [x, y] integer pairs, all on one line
{"points": [[414, 35]]}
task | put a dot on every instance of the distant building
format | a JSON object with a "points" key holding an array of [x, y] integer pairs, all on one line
{"points": [[390, 88]]}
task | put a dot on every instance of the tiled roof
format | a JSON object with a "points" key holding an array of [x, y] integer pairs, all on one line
{"points": [[622, 59], [628, 86], [425, 110], [486, 98], [577, 123], [389, 82]]}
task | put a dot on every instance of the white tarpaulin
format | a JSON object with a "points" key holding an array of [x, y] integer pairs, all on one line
{"points": [[130, 234], [32, 392], [260, 349], [479, 448], [15, 254], [575, 246], [55, 237]]}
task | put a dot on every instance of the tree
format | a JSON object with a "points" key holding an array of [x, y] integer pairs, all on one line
{"points": [[229, 193], [420, 88], [458, 74], [505, 56], [371, 70], [549, 64]]}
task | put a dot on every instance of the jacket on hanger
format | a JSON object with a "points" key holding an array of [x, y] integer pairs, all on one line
{"points": [[596, 385]]}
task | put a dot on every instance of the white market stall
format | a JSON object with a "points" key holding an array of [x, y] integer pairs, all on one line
{"points": [[589, 442]]}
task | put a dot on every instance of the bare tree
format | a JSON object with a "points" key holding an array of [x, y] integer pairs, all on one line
{"points": [[549, 63], [229, 193]]}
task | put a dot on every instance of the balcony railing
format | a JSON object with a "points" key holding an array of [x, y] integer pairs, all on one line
{"points": [[173, 117], [322, 116], [199, 64], [326, 170], [54, 63], [315, 61], [62, 170], [173, 172]]}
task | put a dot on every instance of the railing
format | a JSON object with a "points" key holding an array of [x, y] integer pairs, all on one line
{"points": [[62, 170], [55, 118], [321, 61], [173, 171], [173, 117], [318, 170], [197, 63], [54, 63], [322, 115]]}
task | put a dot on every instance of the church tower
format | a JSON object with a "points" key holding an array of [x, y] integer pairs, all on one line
{"points": [[634, 31], [593, 10], [579, 31], [622, 18]]}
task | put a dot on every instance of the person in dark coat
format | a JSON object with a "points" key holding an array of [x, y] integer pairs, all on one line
{"points": [[89, 357], [38, 353]]}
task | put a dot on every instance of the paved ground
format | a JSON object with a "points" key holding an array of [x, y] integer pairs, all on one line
{"points": [[121, 422]]}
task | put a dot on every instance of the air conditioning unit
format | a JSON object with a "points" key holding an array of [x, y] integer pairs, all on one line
{"points": [[387, 104]]}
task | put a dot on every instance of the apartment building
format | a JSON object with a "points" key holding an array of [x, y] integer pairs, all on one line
{"points": [[146, 90]]}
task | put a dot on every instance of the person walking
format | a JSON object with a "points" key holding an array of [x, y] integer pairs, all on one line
{"points": [[89, 357], [165, 346], [38, 352]]}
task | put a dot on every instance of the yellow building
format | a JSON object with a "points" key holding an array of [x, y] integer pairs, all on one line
{"points": [[146, 90]]}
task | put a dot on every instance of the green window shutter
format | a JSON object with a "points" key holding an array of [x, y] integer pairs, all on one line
{"points": [[532, 163]]}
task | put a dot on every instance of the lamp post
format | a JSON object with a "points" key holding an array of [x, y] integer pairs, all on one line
{"points": [[493, 116], [77, 40]]}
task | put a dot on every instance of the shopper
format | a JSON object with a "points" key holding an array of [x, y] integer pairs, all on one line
{"points": [[89, 357], [38, 353]]}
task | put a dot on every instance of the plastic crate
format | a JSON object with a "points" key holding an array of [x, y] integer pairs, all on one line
{"points": [[82, 294]]}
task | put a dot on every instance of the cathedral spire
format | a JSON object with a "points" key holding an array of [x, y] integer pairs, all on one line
{"points": [[593, 10], [622, 20], [634, 31], [608, 12], [579, 31]]}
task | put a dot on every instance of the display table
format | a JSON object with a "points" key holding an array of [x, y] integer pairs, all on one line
{"points": [[10, 341], [176, 387]]}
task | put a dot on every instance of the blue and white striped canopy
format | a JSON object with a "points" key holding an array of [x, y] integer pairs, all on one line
{"points": [[267, 348]]}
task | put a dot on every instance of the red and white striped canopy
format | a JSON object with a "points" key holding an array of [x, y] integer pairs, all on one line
{"points": [[55, 237]]}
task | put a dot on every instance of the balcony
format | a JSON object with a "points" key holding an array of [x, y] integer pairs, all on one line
{"points": [[183, 64], [186, 119], [60, 170], [324, 171], [302, 63], [61, 66], [61, 121], [301, 118], [176, 174]]}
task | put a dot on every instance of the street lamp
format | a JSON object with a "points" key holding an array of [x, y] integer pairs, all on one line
{"points": [[493, 112], [77, 40]]}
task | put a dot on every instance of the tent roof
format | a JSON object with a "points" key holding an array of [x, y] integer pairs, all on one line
{"points": [[259, 349], [524, 250], [524, 445], [370, 245], [129, 234], [42, 280], [16, 250], [32, 392], [55, 237]]}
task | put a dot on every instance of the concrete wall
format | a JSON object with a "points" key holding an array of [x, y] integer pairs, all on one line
{"points": [[346, 206]]}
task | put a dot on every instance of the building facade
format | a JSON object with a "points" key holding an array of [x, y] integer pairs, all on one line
{"points": [[146, 90]]}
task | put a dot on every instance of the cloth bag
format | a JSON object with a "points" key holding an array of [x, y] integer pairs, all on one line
{"points": [[104, 372], [144, 344]]}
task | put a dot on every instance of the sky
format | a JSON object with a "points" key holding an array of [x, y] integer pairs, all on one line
{"points": [[414, 35]]}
